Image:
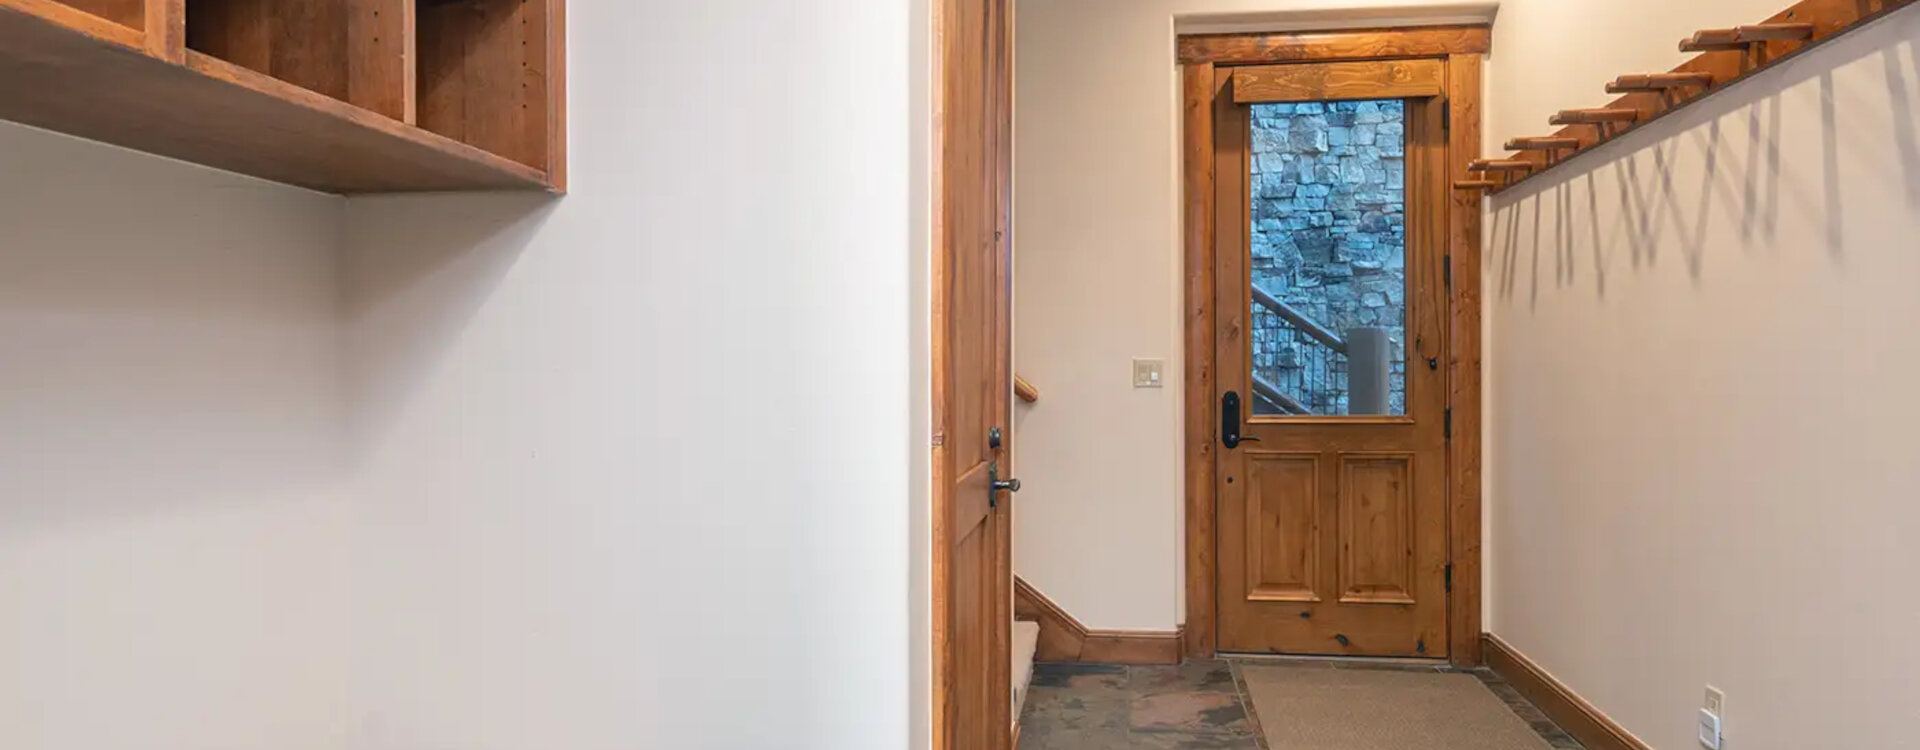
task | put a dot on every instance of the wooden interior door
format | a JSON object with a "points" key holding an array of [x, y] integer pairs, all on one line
{"points": [[972, 379], [1332, 525]]}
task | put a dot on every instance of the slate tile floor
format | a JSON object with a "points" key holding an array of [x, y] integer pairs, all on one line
{"points": [[1199, 705]]}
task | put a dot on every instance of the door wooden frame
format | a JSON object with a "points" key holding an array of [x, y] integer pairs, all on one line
{"points": [[1461, 47], [944, 504]]}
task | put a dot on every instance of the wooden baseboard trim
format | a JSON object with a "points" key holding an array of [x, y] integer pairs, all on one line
{"points": [[1573, 713], [1064, 639]]}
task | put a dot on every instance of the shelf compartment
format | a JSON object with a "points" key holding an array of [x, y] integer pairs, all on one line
{"points": [[355, 51], [489, 76], [93, 79]]}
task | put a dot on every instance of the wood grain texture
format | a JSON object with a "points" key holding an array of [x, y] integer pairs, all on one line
{"points": [[1201, 81], [1396, 79], [1375, 515], [972, 598], [1025, 390], [1200, 86], [1324, 46], [302, 42], [557, 94], [1543, 142], [1830, 19], [95, 80], [1574, 714], [1131, 647], [1658, 81], [166, 27], [129, 13], [1464, 347], [1499, 165], [24, 22], [380, 57], [1595, 115], [1064, 639], [483, 75]]}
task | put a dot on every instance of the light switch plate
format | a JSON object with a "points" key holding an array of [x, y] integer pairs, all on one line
{"points": [[1147, 373]]}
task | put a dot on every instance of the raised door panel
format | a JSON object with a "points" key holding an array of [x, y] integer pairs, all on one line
{"points": [[1376, 500], [1283, 525]]}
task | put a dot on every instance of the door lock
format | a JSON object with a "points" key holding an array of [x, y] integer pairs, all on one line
{"points": [[1230, 422]]}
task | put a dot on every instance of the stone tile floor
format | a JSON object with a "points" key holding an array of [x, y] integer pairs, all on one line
{"points": [[1199, 705]]}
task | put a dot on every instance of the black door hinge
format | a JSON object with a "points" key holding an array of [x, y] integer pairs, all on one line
{"points": [[1449, 578], [1446, 117], [1447, 424], [1446, 270]]}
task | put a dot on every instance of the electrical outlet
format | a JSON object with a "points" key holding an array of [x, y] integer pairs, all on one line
{"points": [[1716, 702], [1146, 372]]}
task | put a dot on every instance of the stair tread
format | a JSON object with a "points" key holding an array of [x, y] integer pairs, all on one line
{"points": [[1026, 639]]}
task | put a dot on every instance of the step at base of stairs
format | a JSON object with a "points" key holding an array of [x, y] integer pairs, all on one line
{"points": [[1026, 639]]}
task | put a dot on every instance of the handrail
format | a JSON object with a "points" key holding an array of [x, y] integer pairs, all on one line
{"points": [[1025, 390], [1286, 312], [1287, 403]]}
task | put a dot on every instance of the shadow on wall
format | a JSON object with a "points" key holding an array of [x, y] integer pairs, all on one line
{"points": [[167, 340], [419, 268], [1671, 179]]}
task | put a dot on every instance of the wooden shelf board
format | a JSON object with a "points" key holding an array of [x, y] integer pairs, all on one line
{"points": [[75, 73]]}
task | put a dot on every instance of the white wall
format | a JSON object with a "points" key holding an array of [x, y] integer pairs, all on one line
{"points": [[1703, 383], [1098, 283], [639, 467], [172, 524], [634, 464]]}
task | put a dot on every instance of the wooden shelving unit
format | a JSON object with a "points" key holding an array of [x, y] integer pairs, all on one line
{"points": [[343, 96], [1725, 56]]}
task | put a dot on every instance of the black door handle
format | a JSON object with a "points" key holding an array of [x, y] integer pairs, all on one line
{"points": [[1230, 422], [996, 485]]}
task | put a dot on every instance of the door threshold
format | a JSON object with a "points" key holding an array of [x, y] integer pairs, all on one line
{"points": [[1354, 662]]}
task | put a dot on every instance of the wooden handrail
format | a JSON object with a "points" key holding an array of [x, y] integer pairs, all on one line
{"points": [[1286, 312], [1025, 390], [1270, 392]]}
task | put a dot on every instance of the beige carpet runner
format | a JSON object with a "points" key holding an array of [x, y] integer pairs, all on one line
{"points": [[1319, 708]]}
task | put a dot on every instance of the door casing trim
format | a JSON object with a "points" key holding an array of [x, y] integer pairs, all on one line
{"points": [[1461, 49]]}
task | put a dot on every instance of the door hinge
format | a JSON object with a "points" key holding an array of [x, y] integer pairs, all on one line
{"points": [[1446, 270], [1446, 117], [1447, 424], [1449, 578]]}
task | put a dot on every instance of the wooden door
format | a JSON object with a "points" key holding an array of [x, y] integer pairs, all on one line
{"points": [[972, 380], [1332, 535]]}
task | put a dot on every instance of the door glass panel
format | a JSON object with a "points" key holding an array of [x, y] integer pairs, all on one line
{"points": [[1329, 258]]}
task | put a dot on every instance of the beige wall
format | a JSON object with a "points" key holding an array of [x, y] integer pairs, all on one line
{"points": [[1098, 283], [1703, 390], [173, 521]]}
